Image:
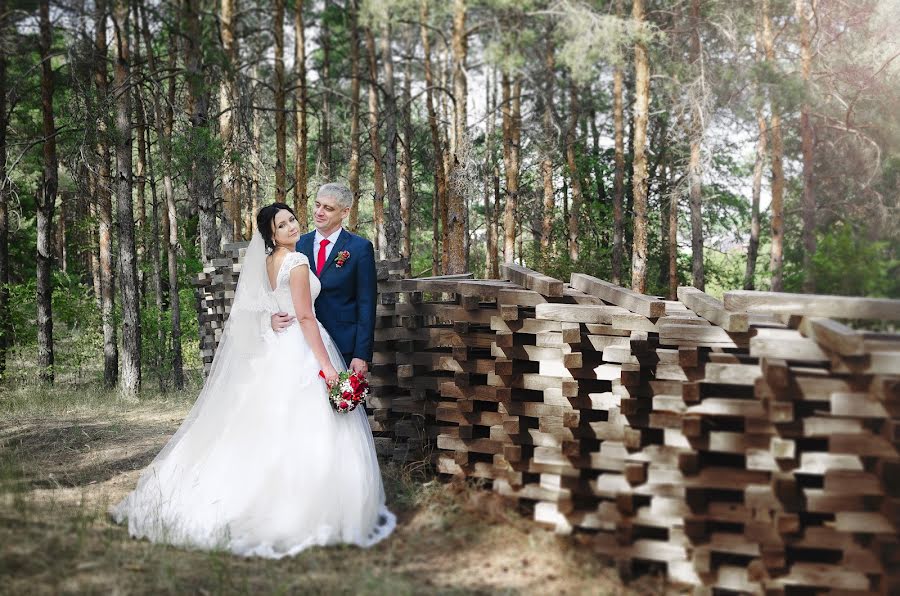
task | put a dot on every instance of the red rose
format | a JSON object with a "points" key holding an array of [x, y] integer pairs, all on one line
{"points": [[354, 382], [344, 405], [347, 395]]}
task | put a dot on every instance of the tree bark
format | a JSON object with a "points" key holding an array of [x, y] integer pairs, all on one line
{"points": [[353, 224], [104, 206], [380, 240], [777, 166], [201, 183], [301, 131], [641, 109], [489, 213], [392, 218], [695, 167], [807, 143], [140, 172], [280, 120], [406, 164], [46, 202], [231, 200], [548, 149], [324, 165], [130, 381], [255, 187], [440, 183], [619, 176], [758, 165], [574, 176], [164, 127], [5, 328], [456, 196], [673, 245], [512, 130]]}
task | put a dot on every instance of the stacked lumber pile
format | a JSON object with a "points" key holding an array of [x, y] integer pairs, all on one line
{"points": [[432, 355], [750, 444], [214, 288]]}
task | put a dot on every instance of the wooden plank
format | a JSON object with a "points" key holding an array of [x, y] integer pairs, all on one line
{"points": [[712, 309], [732, 374], [813, 305], [634, 301], [578, 313], [873, 363], [519, 297], [533, 280], [693, 335]]}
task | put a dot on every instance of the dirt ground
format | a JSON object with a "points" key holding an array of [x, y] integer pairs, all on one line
{"points": [[62, 464]]}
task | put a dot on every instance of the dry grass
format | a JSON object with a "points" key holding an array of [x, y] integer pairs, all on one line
{"points": [[66, 455]]}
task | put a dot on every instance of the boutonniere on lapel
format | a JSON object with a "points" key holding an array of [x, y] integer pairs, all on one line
{"points": [[341, 258]]}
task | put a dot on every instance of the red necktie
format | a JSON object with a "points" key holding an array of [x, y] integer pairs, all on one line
{"points": [[320, 260]]}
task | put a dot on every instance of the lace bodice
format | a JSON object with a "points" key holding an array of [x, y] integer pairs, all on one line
{"points": [[282, 289]]}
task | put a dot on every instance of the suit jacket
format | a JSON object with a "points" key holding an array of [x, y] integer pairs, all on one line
{"points": [[346, 304]]}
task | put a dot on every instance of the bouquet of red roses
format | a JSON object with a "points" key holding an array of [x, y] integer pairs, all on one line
{"points": [[349, 391]]}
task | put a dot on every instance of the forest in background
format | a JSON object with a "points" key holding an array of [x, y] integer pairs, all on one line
{"points": [[650, 143]]}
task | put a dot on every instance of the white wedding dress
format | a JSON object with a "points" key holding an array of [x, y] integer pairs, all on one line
{"points": [[263, 466]]}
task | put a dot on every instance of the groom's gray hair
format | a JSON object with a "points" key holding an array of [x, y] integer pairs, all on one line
{"points": [[337, 191]]}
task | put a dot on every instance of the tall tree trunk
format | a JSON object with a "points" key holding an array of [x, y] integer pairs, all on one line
{"points": [[448, 139], [619, 176], [777, 166], [456, 197], [574, 176], [164, 119], [200, 187], [157, 269], [378, 173], [392, 218], [5, 328], [104, 206], [59, 236], [511, 110], [93, 191], [46, 202], [548, 150], [140, 173], [280, 120], [324, 165], [256, 156], [673, 244], [440, 184], [354, 114], [406, 164], [641, 109], [695, 168], [231, 199], [301, 132], [807, 136], [130, 382], [758, 165], [489, 213]]}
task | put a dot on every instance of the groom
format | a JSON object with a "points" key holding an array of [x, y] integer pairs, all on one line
{"points": [[345, 266]]}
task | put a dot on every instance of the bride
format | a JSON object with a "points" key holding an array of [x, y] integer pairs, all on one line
{"points": [[263, 466]]}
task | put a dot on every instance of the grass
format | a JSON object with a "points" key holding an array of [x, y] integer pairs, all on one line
{"points": [[66, 454]]}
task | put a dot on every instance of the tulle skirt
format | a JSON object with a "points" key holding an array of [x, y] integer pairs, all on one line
{"points": [[263, 466]]}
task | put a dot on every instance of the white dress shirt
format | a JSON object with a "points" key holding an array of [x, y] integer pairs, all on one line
{"points": [[317, 242]]}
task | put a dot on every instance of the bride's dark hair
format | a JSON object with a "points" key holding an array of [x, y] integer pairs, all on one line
{"points": [[264, 220]]}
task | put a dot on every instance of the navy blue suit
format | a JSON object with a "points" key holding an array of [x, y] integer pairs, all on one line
{"points": [[346, 304]]}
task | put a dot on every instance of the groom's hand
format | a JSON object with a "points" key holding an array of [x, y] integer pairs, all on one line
{"points": [[358, 365], [280, 321]]}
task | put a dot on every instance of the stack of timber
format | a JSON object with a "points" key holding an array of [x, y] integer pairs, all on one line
{"points": [[214, 288], [743, 445], [433, 334], [392, 410]]}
